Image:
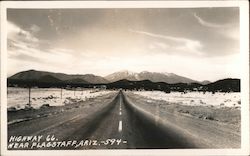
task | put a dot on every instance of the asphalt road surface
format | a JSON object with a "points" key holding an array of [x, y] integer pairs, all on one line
{"points": [[119, 124]]}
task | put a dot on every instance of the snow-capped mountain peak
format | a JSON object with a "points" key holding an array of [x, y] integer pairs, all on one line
{"points": [[168, 74], [125, 72], [145, 75]]}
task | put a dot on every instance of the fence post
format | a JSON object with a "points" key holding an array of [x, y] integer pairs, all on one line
{"points": [[29, 96], [61, 93]]}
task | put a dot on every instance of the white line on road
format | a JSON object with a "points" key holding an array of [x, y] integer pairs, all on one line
{"points": [[120, 113], [120, 126], [120, 103]]}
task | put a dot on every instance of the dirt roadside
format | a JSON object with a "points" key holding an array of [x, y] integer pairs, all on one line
{"points": [[220, 130]]}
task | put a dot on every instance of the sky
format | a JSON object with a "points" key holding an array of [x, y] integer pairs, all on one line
{"points": [[198, 43]]}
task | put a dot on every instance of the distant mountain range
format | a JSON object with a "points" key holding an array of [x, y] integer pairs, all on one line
{"points": [[170, 78], [123, 79]]}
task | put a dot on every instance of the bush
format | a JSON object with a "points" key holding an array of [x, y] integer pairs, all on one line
{"points": [[45, 106]]}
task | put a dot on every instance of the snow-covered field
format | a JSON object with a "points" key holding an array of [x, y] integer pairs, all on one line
{"points": [[195, 98], [19, 97]]}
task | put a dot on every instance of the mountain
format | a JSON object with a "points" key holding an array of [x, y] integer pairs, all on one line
{"points": [[225, 85], [205, 82], [36, 75], [76, 81], [120, 75], [93, 79], [170, 78], [49, 79]]}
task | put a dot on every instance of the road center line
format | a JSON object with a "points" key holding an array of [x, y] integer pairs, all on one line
{"points": [[120, 113], [120, 126]]}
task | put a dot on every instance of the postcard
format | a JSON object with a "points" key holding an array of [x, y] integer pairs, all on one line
{"points": [[124, 78]]}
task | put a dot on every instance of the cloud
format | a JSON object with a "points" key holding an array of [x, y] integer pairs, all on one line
{"points": [[209, 24], [176, 44], [34, 28], [228, 30], [157, 45], [17, 34], [24, 50], [21, 43], [25, 57]]}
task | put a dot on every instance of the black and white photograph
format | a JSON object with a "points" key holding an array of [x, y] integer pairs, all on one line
{"points": [[123, 78]]}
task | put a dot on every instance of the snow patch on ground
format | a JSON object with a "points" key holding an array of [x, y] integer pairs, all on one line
{"points": [[18, 98], [195, 98]]}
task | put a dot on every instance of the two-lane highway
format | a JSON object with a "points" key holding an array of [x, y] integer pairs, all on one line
{"points": [[121, 124]]}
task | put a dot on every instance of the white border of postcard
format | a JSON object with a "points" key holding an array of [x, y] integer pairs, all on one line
{"points": [[244, 49]]}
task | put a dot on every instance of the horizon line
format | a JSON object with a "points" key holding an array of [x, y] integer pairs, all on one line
{"points": [[120, 71]]}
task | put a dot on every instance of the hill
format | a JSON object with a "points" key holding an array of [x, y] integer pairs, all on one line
{"points": [[36, 75], [225, 85]]}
